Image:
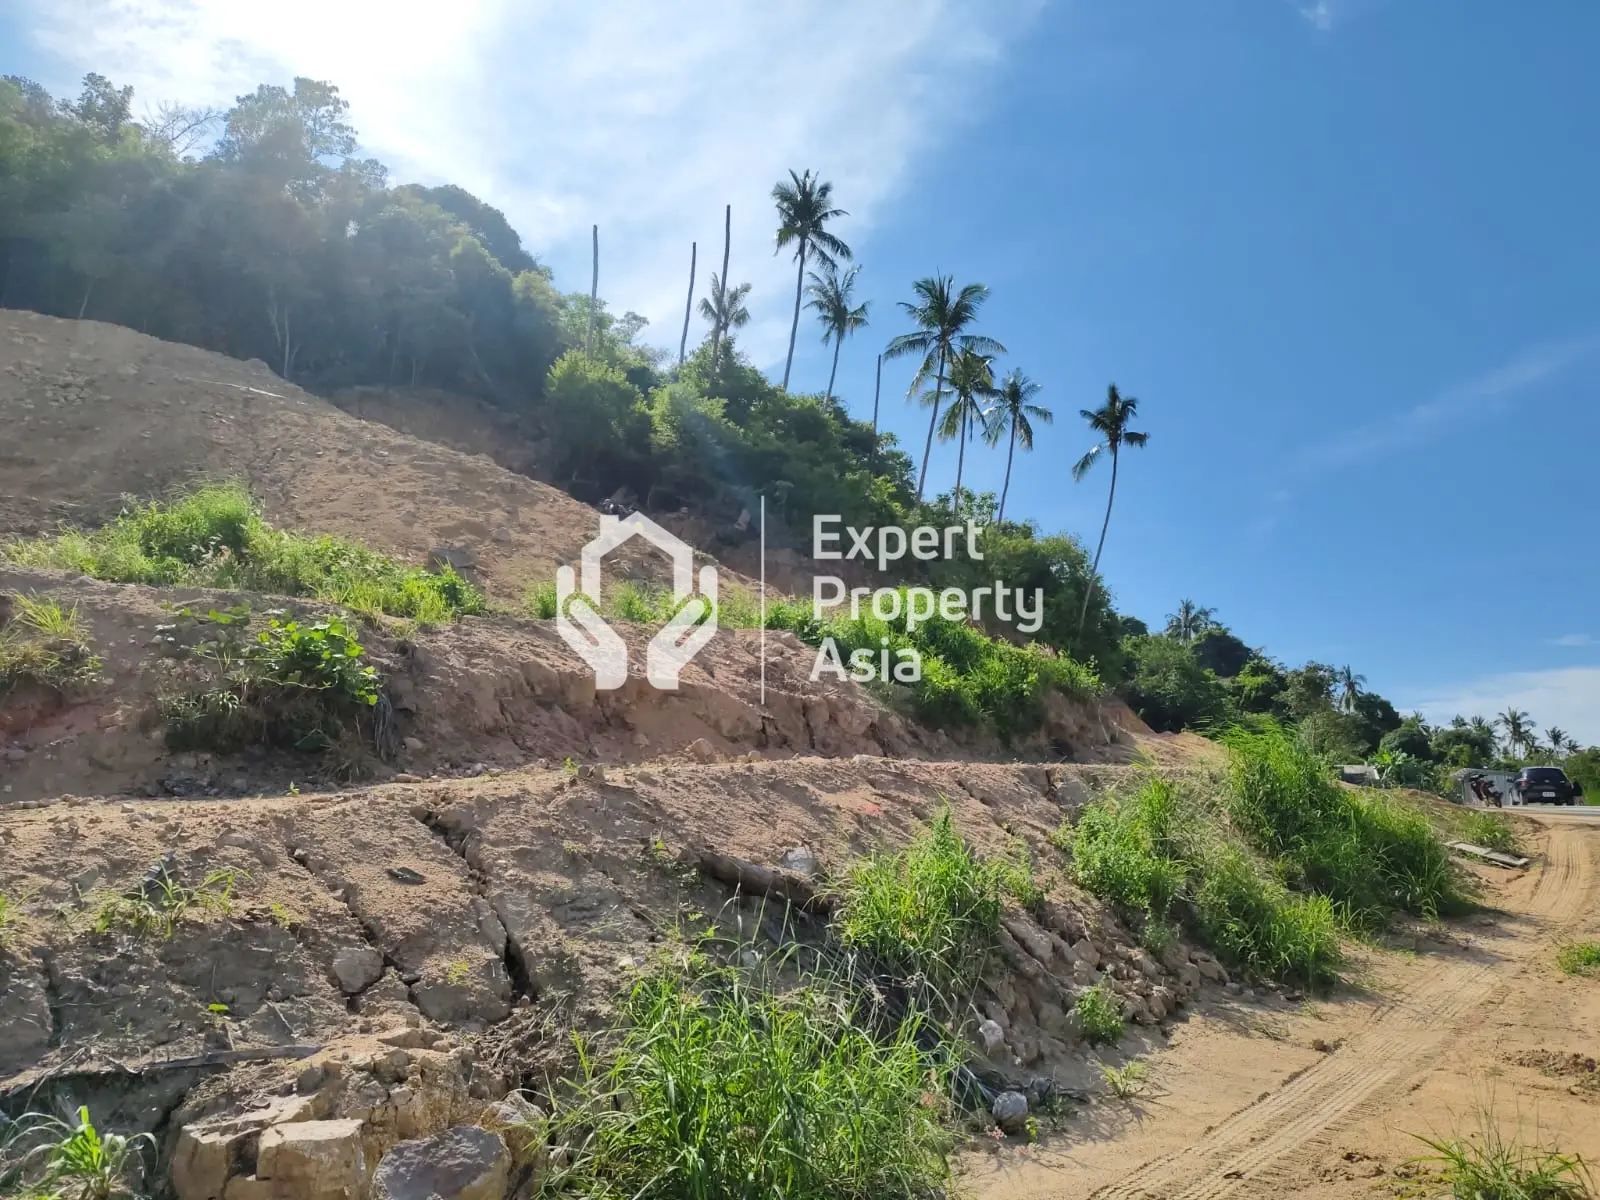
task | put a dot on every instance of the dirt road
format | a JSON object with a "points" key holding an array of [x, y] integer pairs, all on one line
{"points": [[1465, 1022]]}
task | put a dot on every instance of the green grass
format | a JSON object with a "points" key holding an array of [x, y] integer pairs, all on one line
{"points": [[1492, 831], [1164, 859], [717, 1087], [43, 1157], [155, 911], [1372, 853], [8, 919], [214, 536], [1488, 1166], [1126, 1082], [1579, 958], [45, 644], [930, 913], [1099, 1016]]}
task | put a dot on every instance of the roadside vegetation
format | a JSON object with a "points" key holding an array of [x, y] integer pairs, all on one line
{"points": [[214, 536], [1579, 958], [1492, 831], [1488, 1165], [44, 644], [45, 1157]]}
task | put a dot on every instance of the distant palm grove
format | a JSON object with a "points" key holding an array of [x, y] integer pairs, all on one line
{"points": [[258, 232]]}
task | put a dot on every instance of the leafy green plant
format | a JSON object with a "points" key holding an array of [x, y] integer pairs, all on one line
{"points": [[539, 600], [214, 536], [155, 908], [457, 973], [1099, 1016], [929, 912], [715, 1085], [52, 1159], [1125, 1082], [1579, 958], [1489, 1166]]}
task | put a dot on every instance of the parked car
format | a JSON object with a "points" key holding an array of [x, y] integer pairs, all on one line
{"points": [[1546, 785]]}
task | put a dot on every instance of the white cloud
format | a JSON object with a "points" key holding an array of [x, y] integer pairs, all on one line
{"points": [[1567, 697], [1575, 640], [645, 117]]}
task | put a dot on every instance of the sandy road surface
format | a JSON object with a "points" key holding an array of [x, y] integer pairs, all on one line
{"points": [[1442, 1023]]}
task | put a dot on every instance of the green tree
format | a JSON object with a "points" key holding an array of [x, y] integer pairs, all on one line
{"points": [[804, 210], [1350, 688], [1014, 414], [1412, 737], [831, 295], [291, 138], [941, 314], [1217, 649], [972, 382], [1557, 737], [725, 309], [1110, 421], [103, 108], [1189, 622], [1169, 690], [592, 412], [1517, 726]]}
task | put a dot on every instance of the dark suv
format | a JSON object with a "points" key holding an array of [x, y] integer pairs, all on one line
{"points": [[1546, 785]]}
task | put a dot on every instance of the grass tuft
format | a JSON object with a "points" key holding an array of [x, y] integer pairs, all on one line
{"points": [[45, 644], [214, 536], [1579, 958], [43, 1157], [157, 907], [1492, 831], [1488, 1166]]}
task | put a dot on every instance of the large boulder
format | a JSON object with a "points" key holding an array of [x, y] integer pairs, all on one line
{"points": [[313, 1160], [463, 1163]]}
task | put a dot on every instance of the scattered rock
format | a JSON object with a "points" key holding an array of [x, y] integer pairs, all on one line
{"points": [[801, 861], [991, 1038], [462, 1163], [701, 750], [1010, 1111], [357, 968]]}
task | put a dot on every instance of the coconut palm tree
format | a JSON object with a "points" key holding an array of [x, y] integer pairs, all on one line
{"points": [[803, 214], [1515, 724], [1558, 739], [941, 313], [1014, 411], [972, 382], [725, 309], [1110, 422], [831, 294], [1350, 687], [1189, 622]]}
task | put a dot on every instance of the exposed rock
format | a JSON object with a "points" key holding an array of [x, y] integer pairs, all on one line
{"points": [[701, 750], [801, 861], [357, 968], [1010, 1111], [991, 1038], [520, 1122], [313, 1160], [1086, 952], [24, 1018], [1210, 969], [462, 1163]]}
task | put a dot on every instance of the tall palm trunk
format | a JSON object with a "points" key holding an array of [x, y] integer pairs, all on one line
{"points": [[794, 325], [927, 449], [837, 338], [961, 453], [1094, 571], [1006, 490]]}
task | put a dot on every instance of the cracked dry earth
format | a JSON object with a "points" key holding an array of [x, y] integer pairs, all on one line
{"points": [[1253, 1096]]}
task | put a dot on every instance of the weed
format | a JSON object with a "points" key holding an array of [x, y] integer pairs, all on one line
{"points": [[1579, 958], [718, 1086], [1492, 831], [214, 536], [1099, 1016], [1157, 936], [155, 908], [1125, 1083], [569, 767], [8, 919], [930, 912], [44, 644], [1488, 1166], [284, 917], [539, 601], [457, 973], [51, 1159]]}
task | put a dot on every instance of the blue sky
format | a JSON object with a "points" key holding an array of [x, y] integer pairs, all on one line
{"points": [[1343, 252]]}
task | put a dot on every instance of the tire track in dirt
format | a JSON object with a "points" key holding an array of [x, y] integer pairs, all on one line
{"points": [[1250, 1152]]}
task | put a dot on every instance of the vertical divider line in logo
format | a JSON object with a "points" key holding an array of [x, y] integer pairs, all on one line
{"points": [[763, 601]]}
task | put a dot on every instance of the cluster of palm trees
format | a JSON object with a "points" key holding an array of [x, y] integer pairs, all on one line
{"points": [[1522, 735]]}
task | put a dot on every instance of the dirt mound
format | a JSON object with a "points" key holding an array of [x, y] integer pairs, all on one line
{"points": [[94, 413]]}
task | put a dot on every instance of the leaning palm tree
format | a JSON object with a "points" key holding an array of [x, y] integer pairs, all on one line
{"points": [[941, 313], [972, 382], [831, 294], [1189, 622], [803, 214], [1515, 724], [1350, 687], [725, 309], [1015, 411], [1110, 421]]}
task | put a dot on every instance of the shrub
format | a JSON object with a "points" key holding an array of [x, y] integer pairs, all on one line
{"points": [[46, 645], [931, 912], [1099, 1016], [1371, 853], [1249, 918], [1579, 958], [1488, 1166], [214, 536], [715, 1086]]}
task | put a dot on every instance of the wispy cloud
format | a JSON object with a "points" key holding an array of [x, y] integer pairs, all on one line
{"points": [[1568, 697], [644, 116], [1575, 640], [1319, 14]]}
